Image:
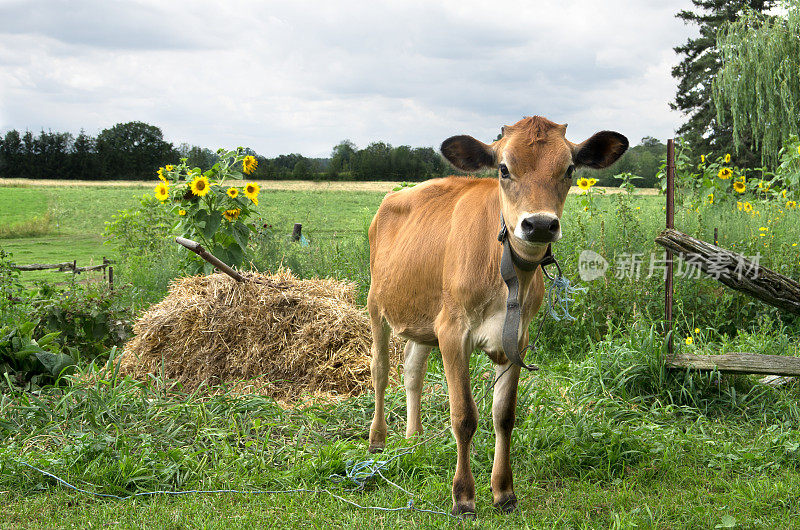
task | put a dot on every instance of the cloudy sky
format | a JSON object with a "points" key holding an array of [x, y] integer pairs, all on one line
{"points": [[297, 76]]}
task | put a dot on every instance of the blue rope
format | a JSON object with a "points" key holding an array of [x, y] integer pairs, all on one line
{"points": [[559, 296], [410, 506]]}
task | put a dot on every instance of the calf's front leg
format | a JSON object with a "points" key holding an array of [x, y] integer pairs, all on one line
{"points": [[504, 405], [463, 417]]}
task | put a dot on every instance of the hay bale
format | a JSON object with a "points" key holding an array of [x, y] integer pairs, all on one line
{"points": [[273, 334]]}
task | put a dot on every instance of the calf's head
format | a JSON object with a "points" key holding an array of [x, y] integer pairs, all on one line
{"points": [[535, 163]]}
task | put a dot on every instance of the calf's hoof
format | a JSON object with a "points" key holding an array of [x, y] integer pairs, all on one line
{"points": [[507, 504], [376, 448], [465, 511]]}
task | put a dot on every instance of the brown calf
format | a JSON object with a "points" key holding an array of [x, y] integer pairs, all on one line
{"points": [[435, 264]]}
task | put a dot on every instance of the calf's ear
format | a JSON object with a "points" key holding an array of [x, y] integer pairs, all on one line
{"points": [[601, 150], [467, 153]]}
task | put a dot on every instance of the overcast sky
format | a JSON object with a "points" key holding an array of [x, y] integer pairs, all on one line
{"points": [[295, 76]]}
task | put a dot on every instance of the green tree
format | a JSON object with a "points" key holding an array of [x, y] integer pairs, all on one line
{"points": [[133, 150], [757, 89], [703, 129]]}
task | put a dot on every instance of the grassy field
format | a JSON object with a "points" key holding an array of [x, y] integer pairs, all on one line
{"points": [[606, 436]]}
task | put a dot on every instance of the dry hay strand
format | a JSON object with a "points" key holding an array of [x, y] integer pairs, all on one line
{"points": [[273, 334]]}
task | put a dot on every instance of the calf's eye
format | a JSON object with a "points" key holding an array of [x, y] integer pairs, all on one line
{"points": [[569, 172], [504, 171]]}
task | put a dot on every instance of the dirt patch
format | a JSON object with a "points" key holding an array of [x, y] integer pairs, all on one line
{"points": [[273, 334]]}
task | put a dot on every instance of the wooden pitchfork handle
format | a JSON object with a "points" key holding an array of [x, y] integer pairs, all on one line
{"points": [[198, 249]]}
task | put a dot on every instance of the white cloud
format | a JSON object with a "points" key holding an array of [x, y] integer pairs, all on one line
{"points": [[300, 76]]}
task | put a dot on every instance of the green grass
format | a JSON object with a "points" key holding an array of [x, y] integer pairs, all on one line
{"points": [[606, 436]]}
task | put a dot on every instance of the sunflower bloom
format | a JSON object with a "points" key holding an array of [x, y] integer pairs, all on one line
{"points": [[791, 204], [739, 205], [249, 164], [232, 193], [251, 191], [748, 207], [783, 194], [200, 186], [710, 198], [592, 182], [739, 186], [162, 191], [689, 340], [584, 184], [170, 167], [232, 215], [727, 158], [702, 159], [725, 173], [181, 212], [161, 175]]}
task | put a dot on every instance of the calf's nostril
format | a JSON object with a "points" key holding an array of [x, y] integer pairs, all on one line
{"points": [[553, 226]]}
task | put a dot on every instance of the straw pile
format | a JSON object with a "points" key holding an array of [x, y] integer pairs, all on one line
{"points": [[275, 335]]}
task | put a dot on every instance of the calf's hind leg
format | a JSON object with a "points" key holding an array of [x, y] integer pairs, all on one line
{"points": [[415, 365], [380, 375]]}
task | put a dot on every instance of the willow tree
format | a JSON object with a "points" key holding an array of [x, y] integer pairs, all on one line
{"points": [[758, 84]]}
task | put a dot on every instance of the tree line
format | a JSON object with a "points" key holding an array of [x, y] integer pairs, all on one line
{"points": [[135, 150]]}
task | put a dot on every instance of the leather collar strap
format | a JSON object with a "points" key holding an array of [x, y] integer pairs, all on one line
{"points": [[509, 260]]}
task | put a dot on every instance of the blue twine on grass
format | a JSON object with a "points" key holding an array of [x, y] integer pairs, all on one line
{"points": [[410, 506], [559, 295]]}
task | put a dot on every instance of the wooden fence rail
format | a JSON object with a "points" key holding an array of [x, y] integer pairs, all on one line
{"points": [[72, 267]]}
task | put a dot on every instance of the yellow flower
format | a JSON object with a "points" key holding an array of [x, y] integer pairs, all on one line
{"points": [[170, 167], [702, 159], [200, 186], [251, 190], [748, 207], [232, 215], [232, 193], [181, 212], [783, 194], [689, 340], [592, 181], [739, 186], [739, 205], [697, 331], [162, 191], [161, 175], [798, 149], [763, 228], [584, 183], [727, 158], [710, 198], [725, 173], [791, 204], [249, 164]]}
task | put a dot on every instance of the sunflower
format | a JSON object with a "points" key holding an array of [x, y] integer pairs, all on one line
{"points": [[702, 159], [170, 167], [739, 186], [251, 190], [249, 164], [592, 181], [783, 194], [689, 340], [232, 193], [725, 173], [710, 198], [232, 215], [181, 212], [200, 186], [739, 205], [727, 158], [791, 204], [798, 149], [584, 183], [161, 175], [748, 207], [162, 191]]}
